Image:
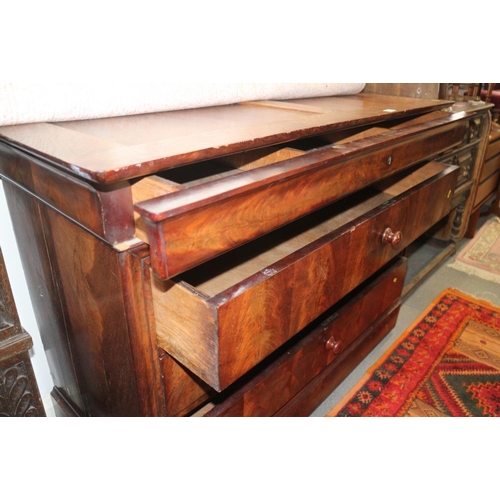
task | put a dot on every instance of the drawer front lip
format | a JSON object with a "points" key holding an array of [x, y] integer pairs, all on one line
{"points": [[490, 167], [493, 149], [247, 322], [446, 177], [487, 188], [269, 391], [189, 227]]}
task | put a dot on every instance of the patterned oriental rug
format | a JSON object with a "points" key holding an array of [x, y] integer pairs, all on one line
{"points": [[481, 256], [446, 364]]}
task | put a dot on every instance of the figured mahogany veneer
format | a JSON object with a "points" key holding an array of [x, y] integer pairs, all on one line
{"points": [[221, 326], [196, 223], [110, 150], [270, 390], [190, 259]]}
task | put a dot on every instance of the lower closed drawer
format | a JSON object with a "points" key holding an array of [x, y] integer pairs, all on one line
{"points": [[221, 319], [289, 374], [490, 167], [493, 147], [486, 188]]}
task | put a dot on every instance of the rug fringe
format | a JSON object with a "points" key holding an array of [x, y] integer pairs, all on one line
{"points": [[474, 271], [460, 264]]}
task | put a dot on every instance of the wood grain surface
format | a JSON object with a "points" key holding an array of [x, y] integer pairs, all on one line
{"points": [[112, 149], [277, 384], [221, 337], [188, 227]]}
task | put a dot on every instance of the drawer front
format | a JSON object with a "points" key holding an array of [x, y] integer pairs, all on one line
{"points": [[294, 369], [220, 338], [487, 188], [193, 225], [465, 159], [183, 390], [318, 390], [493, 149], [490, 167]]}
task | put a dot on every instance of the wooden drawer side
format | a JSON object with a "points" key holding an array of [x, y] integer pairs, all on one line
{"points": [[266, 393], [240, 325], [191, 226], [250, 326], [184, 326]]}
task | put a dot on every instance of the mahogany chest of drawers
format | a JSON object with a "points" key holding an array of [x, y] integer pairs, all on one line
{"points": [[237, 260], [488, 184]]}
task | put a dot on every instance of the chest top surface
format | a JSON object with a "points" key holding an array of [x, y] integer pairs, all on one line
{"points": [[115, 149]]}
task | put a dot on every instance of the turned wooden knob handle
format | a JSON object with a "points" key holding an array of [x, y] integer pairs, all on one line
{"points": [[334, 345], [391, 237]]}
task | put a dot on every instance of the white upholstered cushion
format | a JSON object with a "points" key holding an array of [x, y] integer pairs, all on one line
{"points": [[27, 103]]}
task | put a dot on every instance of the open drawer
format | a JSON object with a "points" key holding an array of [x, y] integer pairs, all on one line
{"points": [[191, 214], [325, 342], [223, 317]]}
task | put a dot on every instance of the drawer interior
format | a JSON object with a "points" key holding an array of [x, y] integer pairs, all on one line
{"points": [[191, 175], [222, 317], [214, 206], [463, 157], [297, 362], [235, 266]]}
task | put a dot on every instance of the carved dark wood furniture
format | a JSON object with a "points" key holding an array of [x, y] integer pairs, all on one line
{"points": [[488, 188], [235, 260], [491, 93], [19, 395]]}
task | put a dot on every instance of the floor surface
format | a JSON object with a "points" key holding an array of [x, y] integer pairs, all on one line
{"points": [[413, 306]]}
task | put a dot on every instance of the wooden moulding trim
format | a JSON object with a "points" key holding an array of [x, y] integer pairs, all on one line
{"points": [[17, 344], [172, 204], [461, 151], [106, 212], [103, 161], [135, 276], [64, 407]]}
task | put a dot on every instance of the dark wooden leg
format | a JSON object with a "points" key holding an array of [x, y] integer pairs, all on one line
{"points": [[495, 207], [471, 228]]}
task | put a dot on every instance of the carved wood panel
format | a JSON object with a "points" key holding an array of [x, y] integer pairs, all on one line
{"points": [[18, 396]]}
